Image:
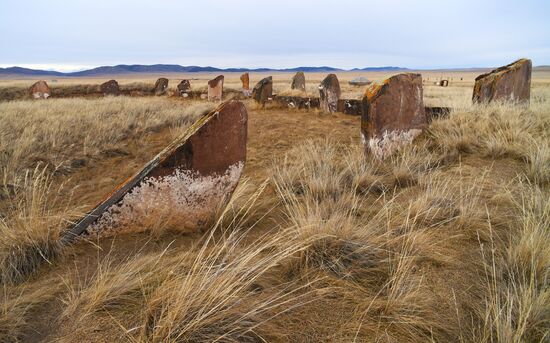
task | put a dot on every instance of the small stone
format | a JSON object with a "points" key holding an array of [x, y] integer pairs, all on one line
{"points": [[40, 90], [183, 88], [110, 88], [329, 91], [299, 81], [215, 88], [360, 81], [509, 83], [263, 90], [161, 86]]}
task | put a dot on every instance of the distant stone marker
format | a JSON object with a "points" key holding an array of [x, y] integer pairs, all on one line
{"points": [[509, 83], [359, 81], [184, 87], [245, 79], [110, 88], [299, 81], [329, 91], [40, 90], [161, 86], [393, 114], [263, 90], [215, 88], [184, 185]]}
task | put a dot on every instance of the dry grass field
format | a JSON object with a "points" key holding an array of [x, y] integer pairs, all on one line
{"points": [[446, 241]]}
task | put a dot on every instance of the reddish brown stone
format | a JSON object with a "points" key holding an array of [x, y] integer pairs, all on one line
{"points": [[329, 91], [40, 90], [215, 88], [393, 114], [184, 87], [299, 81], [509, 83], [263, 90], [161, 86], [245, 79], [110, 88], [184, 185]]}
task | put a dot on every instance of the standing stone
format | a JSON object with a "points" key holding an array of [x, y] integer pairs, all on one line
{"points": [[299, 81], [245, 79], [40, 90], [161, 86], [215, 88], [329, 90], [393, 114], [509, 83], [184, 87], [184, 186], [263, 90], [110, 88]]}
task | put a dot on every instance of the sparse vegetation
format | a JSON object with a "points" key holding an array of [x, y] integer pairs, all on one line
{"points": [[446, 241]]}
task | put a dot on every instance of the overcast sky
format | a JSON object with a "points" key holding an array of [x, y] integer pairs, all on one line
{"points": [[70, 35]]}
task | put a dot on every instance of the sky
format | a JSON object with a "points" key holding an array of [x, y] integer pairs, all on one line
{"points": [[422, 34]]}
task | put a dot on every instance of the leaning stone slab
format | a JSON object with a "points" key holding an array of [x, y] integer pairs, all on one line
{"points": [[263, 91], [509, 83], [184, 88], [299, 81], [184, 185], [161, 86], [40, 90], [393, 114], [329, 91], [110, 88], [215, 88]]}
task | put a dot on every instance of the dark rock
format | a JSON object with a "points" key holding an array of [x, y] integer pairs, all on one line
{"points": [[110, 88], [299, 81], [509, 83], [161, 86], [184, 87], [263, 91], [350, 106], [329, 91]]}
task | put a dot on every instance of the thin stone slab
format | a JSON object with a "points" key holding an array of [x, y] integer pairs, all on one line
{"points": [[40, 90], [263, 91], [184, 185], [184, 87], [511, 83], [110, 88], [393, 114], [329, 93], [161, 86], [215, 88], [299, 81]]}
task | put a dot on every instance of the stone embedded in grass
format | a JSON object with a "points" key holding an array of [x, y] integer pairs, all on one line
{"points": [[161, 86], [509, 83], [184, 185], [393, 114], [40, 90], [299, 81], [245, 79], [184, 87], [263, 90], [215, 88], [360, 81], [329, 91], [110, 88], [350, 106]]}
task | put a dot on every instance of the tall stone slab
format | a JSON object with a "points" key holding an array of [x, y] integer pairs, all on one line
{"points": [[245, 79], [184, 87], [161, 86], [215, 88], [110, 88], [263, 90], [40, 90], [393, 114], [329, 93], [299, 81], [184, 186], [509, 83]]}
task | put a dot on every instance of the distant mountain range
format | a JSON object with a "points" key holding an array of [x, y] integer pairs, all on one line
{"points": [[168, 68]]}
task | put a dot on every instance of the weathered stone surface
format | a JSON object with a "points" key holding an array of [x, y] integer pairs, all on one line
{"points": [[263, 90], [329, 91], [350, 106], [299, 81], [110, 88], [215, 88], [245, 79], [184, 185], [161, 86], [184, 87], [359, 81], [508, 83], [393, 114], [40, 90], [296, 102]]}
